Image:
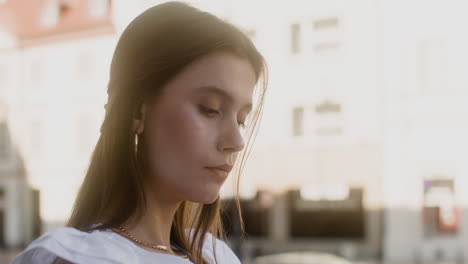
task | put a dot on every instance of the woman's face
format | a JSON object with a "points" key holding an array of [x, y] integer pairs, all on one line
{"points": [[195, 124]]}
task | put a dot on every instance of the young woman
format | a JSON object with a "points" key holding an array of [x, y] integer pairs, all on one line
{"points": [[182, 103]]}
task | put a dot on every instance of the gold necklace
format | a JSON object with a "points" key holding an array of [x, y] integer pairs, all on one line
{"points": [[122, 231]]}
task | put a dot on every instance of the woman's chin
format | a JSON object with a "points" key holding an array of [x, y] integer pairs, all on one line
{"points": [[206, 198]]}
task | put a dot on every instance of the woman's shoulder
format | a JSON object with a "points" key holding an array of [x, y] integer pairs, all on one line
{"points": [[76, 246]]}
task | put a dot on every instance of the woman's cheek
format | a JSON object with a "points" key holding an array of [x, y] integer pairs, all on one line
{"points": [[194, 125]]}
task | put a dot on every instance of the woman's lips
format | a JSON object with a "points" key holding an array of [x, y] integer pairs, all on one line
{"points": [[218, 173]]}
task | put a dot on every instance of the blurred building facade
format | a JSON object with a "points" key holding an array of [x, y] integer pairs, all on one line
{"points": [[424, 57], [56, 90], [368, 94]]}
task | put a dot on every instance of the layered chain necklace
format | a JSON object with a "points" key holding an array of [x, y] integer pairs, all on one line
{"points": [[123, 232]]}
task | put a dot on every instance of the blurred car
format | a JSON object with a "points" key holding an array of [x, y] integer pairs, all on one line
{"points": [[300, 258]]}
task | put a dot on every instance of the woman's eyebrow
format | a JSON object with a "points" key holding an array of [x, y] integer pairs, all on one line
{"points": [[222, 93]]}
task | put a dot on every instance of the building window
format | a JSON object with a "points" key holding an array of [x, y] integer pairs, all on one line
{"points": [[326, 23], [295, 38], [328, 120], [98, 8], [65, 8], [298, 121], [4, 141], [50, 13], [328, 107], [327, 47]]}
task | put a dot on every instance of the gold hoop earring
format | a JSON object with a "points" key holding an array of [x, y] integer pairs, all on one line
{"points": [[136, 143]]}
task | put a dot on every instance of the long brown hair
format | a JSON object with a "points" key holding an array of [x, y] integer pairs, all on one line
{"points": [[154, 48]]}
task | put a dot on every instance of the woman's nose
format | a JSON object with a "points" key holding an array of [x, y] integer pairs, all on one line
{"points": [[231, 139]]}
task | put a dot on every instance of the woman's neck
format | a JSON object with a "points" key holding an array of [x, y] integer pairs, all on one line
{"points": [[154, 226]]}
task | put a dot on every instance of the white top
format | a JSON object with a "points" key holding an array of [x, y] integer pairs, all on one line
{"points": [[106, 247]]}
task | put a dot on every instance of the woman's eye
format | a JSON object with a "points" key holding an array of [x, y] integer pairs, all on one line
{"points": [[208, 111]]}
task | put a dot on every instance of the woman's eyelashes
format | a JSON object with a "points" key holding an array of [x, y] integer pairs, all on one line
{"points": [[210, 112]]}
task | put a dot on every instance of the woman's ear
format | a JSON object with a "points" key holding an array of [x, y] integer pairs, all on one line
{"points": [[139, 119]]}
